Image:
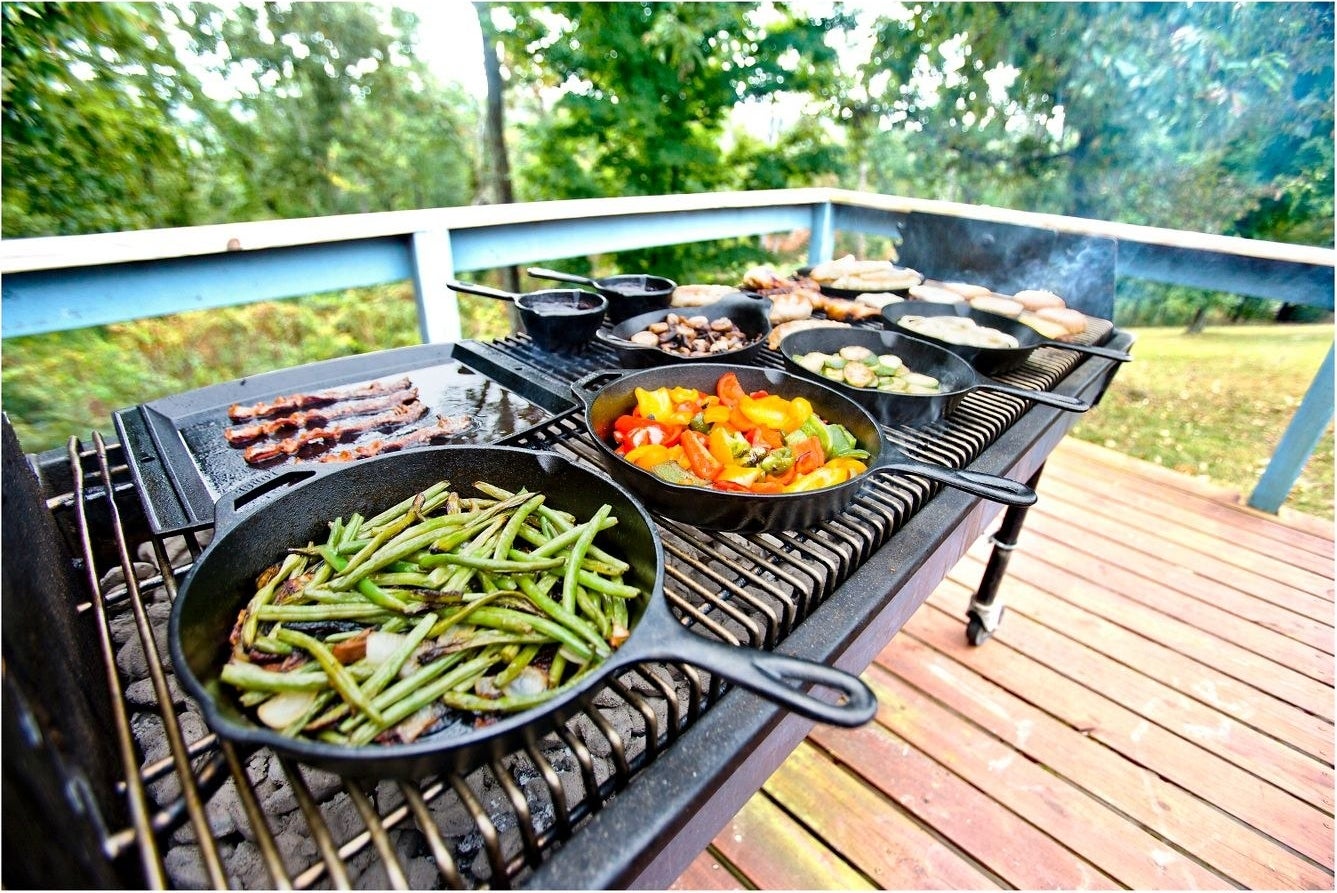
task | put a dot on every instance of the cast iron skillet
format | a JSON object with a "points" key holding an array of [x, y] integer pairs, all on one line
{"points": [[558, 319], [989, 360], [628, 294], [247, 541], [956, 377], [719, 510], [750, 314]]}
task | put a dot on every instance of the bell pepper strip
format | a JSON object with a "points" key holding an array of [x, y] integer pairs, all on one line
{"points": [[729, 390], [699, 459], [808, 455], [826, 476], [649, 455]]}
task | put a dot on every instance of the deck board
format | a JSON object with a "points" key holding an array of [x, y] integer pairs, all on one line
{"points": [[1155, 712]]}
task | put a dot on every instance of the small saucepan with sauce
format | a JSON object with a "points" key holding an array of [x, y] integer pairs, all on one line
{"points": [[562, 320], [628, 294]]}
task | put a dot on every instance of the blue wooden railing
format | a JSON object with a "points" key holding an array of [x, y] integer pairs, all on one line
{"points": [[53, 284]]}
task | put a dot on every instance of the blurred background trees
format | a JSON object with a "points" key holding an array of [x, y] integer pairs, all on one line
{"points": [[1213, 117]]}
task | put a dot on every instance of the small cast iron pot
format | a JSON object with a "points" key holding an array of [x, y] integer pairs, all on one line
{"points": [[628, 294], [562, 320], [989, 360], [720, 510], [751, 314], [956, 377], [248, 540]]}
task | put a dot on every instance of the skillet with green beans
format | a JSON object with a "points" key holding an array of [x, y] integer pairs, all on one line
{"points": [[441, 604], [860, 367]]}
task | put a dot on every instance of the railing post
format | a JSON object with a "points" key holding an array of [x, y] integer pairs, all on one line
{"points": [[1297, 443], [822, 242], [433, 265]]}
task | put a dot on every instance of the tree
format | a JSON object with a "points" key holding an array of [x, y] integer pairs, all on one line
{"points": [[634, 98], [330, 112], [90, 143]]}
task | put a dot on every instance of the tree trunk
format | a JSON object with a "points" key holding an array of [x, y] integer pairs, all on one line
{"points": [[497, 179], [1199, 321]]}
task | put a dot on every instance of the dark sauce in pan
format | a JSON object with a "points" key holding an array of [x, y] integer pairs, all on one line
{"points": [[448, 389]]}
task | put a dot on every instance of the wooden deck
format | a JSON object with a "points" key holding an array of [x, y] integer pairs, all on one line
{"points": [[1156, 712]]}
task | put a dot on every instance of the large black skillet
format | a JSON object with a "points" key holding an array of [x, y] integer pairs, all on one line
{"points": [[956, 377], [989, 360], [247, 541], [713, 509], [751, 315]]}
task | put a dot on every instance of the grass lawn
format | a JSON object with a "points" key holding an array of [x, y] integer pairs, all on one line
{"points": [[1215, 405]]}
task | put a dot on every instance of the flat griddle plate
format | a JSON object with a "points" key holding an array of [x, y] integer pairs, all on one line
{"points": [[182, 464]]}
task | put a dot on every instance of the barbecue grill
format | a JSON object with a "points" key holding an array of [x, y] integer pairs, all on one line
{"points": [[126, 786]]}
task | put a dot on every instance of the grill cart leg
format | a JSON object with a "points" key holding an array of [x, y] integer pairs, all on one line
{"points": [[986, 608]]}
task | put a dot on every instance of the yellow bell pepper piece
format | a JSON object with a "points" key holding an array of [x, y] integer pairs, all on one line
{"points": [[826, 476]]}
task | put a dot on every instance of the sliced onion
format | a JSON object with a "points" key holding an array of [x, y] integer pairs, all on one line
{"points": [[285, 708], [531, 681], [382, 646]]}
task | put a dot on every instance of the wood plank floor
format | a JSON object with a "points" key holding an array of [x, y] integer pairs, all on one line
{"points": [[1155, 712]]}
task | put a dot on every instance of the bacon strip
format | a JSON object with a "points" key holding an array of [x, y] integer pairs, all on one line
{"points": [[244, 434], [265, 452], [279, 405], [443, 427]]}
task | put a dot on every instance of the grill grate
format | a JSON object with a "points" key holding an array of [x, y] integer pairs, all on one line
{"points": [[203, 813]]}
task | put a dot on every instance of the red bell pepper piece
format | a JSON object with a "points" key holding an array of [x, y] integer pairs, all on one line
{"points": [[808, 455], [702, 463], [729, 390]]}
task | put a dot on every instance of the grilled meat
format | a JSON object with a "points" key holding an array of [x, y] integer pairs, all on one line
{"points": [[445, 426], [244, 434], [293, 402], [267, 452]]}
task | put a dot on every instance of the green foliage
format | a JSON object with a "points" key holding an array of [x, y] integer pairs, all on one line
{"points": [[89, 142], [333, 113]]}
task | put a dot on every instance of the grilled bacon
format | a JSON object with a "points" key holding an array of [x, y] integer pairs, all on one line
{"points": [[445, 426], [290, 403], [311, 418], [266, 452]]}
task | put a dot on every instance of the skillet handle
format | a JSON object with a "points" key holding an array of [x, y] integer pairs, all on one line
{"points": [[545, 273], [1045, 398], [774, 676], [482, 290], [1107, 353], [587, 387], [977, 483]]}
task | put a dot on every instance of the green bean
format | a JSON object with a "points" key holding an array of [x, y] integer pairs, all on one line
{"points": [[373, 593], [515, 621], [566, 618], [523, 657], [577, 555], [340, 679], [606, 586], [494, 565], [268, 645], [421, 698], [450, 620], [518, 518], [590, 607], [250, 626], [352, 611], [241, 674], [384, 535], [556, 669], [505, 703], [399, 508]]}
